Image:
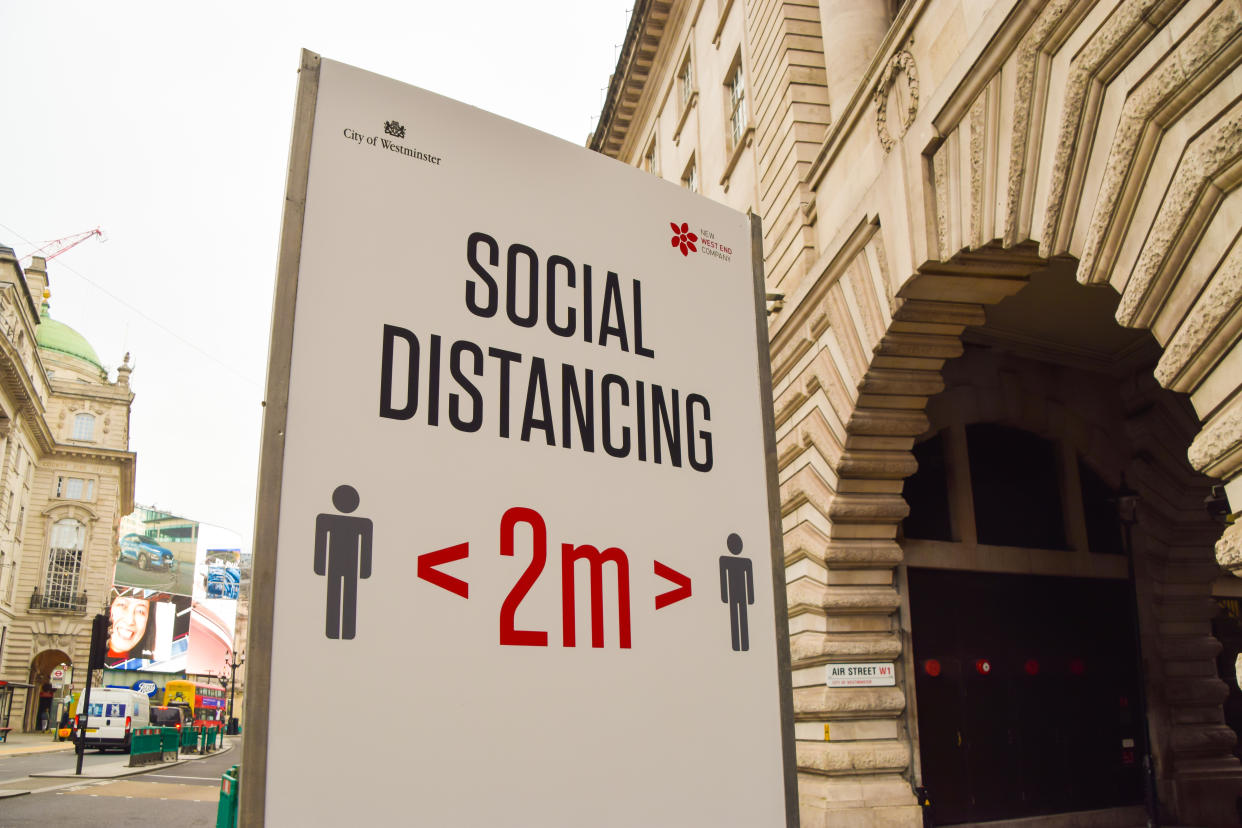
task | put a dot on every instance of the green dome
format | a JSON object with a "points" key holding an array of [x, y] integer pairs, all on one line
{"points": [[57, 336]]}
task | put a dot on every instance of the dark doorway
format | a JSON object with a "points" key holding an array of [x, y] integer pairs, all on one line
{"points": [[1227, 629], [1027, 699]]}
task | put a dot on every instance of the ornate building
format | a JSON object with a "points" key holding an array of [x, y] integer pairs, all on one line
{"points": [[66, 478], [1002, 245]]}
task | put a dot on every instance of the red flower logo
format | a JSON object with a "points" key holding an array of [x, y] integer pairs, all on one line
{"points": [[683, 238]]}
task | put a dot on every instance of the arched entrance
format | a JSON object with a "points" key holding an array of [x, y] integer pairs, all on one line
{"points": [[1029, 696], [1100, 140], [41, 698]]}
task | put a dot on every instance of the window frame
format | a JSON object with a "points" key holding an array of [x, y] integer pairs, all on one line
{"points": [[690, 176], [651, 158], [686, 89], [63, 565], [78, 431], [65, 483], [737, 118], [685, 80]]}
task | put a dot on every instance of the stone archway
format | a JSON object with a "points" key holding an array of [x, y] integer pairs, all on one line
{"points": [[41, 667], [1104, 136]]}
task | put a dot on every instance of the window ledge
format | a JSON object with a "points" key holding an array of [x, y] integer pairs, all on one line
{"points": [[685, 113], [748, 138]]}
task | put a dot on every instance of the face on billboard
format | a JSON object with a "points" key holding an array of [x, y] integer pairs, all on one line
{"points": [[149, 630], [129, 623]]}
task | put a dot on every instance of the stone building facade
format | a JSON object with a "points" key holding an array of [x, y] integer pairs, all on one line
{"points": [[1002, 244], [66, 478]]}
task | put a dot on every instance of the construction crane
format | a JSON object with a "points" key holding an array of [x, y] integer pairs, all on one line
{"points": [[65, 245]]}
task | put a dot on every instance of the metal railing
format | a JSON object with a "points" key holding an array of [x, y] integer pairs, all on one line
{"points": [[64, 601]]}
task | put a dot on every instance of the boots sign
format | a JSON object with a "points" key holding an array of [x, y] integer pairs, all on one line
{"points": [[517, 454]]}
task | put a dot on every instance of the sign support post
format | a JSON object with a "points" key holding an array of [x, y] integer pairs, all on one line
{"points": [[256, 704]]}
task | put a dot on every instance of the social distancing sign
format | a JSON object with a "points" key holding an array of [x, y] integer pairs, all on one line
{"points": [[517, 545]]}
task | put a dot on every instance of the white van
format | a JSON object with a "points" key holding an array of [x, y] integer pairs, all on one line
{"points": [[113, 716]]}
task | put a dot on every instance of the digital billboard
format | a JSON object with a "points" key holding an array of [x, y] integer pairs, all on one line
{"points": [[167, 560], [212, 622], [149, 630], [217, 564], [158, 550]]}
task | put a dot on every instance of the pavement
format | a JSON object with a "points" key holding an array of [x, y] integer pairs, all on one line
{"points": [[22, 744]]}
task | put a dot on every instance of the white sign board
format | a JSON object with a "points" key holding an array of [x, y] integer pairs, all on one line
{"points": [[525, 470], [868, 674]]}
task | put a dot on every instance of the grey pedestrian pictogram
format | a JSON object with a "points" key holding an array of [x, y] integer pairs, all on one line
{"points": [[737, 589], [343, 553]]}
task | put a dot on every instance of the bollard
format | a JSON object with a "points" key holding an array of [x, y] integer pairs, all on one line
{"points": [[226, 808]]}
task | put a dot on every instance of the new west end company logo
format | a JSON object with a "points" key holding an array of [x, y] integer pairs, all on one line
{"points": [[393, 129], [687, 241]]}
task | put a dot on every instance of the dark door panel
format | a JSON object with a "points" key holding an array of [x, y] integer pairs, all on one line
{"points": [[1027, 705]]}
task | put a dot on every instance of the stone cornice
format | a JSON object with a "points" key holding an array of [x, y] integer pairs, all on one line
{"points": [[22, 388], [633, 67], [7, 255], [97, 454]]}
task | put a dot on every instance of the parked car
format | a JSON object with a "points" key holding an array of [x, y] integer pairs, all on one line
{"points": [[145, 553], [171, 716]]}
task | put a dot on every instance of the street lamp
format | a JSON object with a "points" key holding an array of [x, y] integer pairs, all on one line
{"points": [[232, 664]]}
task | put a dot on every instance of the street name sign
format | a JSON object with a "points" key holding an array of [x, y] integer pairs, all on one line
{"points": [[518, 457], [867, 674]]}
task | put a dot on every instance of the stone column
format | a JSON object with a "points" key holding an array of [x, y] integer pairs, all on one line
{"points": [[791, 119], [853, 30]]}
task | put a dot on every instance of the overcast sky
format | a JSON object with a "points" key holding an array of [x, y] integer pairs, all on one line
{"points": [[167, 126]]}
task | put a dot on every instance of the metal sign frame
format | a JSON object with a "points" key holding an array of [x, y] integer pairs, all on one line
{"points": [[272, 460]]}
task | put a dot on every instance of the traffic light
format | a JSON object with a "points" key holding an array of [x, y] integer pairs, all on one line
{"points": [[100, 631]]}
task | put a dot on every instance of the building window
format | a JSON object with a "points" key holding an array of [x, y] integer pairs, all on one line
{"points": [[690, 178], [64, 565], [75, 488], [927, 490], [649, 159], [685, 81], [1015, 509], [1016, 486], [84, 427], [737, 105]]}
